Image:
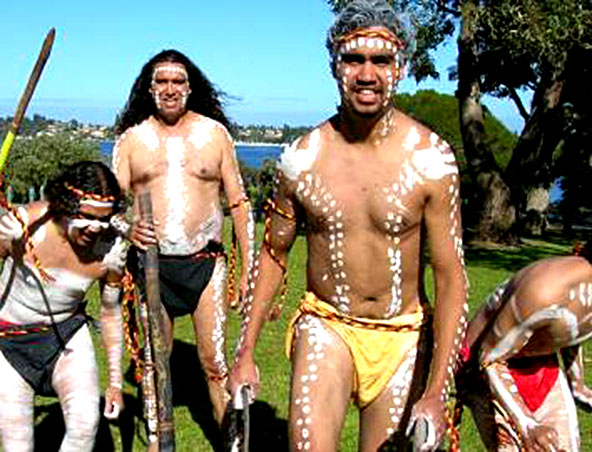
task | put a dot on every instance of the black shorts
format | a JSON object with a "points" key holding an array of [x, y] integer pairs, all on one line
{"points": [[182, 278], [35, 354]]}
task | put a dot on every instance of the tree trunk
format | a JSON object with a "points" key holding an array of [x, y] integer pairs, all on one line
{"points": [[529, 169], [497, 216]]}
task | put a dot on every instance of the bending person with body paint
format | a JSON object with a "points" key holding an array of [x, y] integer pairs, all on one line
{"points": [[175, 144], [514, 341], [370, 185], [54, 250]]}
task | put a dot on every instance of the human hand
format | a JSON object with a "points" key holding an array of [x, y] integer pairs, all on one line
{"points": [[244, 372], [542, 438], [427, 423], [113, 402], [10, 227], [143, 234]]}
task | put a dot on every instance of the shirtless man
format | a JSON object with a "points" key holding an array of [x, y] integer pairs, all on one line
{"points": [[45, 344], [174, 143], [514, 340], [369, 184]]}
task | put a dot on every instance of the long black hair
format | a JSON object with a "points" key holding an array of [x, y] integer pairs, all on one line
{"points": [[203, 99], [93, 178]]}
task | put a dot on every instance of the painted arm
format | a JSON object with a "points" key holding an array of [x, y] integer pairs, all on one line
{"points": [[140, 233], [112, 337], [443, 225], [573, 360], [268, 272], [240, 209]]}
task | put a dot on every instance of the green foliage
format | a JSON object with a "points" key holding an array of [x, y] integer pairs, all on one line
{"points": [[440, 113], [34, 161], [426, 23]]}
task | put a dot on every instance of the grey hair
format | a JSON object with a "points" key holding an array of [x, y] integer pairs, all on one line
{"points": [[362, 14]]}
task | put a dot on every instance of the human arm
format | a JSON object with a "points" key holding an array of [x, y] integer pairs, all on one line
{"points": [[240, 209], [267, 276], [140, 233], [112, 327], [443, 227], [573, 360]]}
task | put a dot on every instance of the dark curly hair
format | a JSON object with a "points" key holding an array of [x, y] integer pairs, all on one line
{"points": [[203, 99], [88, 176]]}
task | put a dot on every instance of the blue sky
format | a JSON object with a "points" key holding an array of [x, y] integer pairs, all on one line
{"points": [[268, 55]]}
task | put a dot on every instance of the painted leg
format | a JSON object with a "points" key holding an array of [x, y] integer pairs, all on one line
{"points": [[16, 409], [559, 412], [322, 379], [209, 321], [75, 382], [382, 418], [573, 361]]}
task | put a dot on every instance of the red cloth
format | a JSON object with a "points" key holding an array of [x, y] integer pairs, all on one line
{"points": [[534, 378]]}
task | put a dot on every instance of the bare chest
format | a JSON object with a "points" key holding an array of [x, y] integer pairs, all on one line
{"points": [[174, 158], [371, 196]]}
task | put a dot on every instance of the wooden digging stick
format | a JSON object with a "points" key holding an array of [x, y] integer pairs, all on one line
{"points": [[26, 97], [164, 390]]}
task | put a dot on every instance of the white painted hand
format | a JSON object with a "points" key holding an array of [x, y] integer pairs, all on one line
{"points": [[10, 227]]}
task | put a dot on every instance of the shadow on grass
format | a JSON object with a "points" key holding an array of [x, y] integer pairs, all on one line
{"points": [[268, 432], [50, 432], [517, 257]]}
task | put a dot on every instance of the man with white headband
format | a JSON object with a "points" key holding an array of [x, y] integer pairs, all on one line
{"points": [[370, 184], [512, 347], [175, 144], [53, 251]]}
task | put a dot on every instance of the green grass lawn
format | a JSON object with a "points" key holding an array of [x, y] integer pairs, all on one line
{"points": [[194, 427]]}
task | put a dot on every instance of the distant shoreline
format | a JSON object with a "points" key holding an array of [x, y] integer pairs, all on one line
{"points": [[259, 144]]}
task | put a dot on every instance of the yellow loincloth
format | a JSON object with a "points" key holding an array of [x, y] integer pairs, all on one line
{"points": [[377, 346]]}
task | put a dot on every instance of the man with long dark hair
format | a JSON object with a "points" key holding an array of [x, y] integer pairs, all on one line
{"points": [[175, 144], [54, 250], [371, 185]]}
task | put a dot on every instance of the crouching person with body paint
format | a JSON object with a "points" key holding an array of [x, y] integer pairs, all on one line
{"points": [[514, 342], [368, 184], [53, 251]]}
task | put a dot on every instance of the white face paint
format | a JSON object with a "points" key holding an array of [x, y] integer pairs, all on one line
{"points": [[82, 223]]}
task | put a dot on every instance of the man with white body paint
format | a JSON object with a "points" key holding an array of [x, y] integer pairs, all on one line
{"points": [[52, 257], [513, 343], [174, 144], [370, 184]]}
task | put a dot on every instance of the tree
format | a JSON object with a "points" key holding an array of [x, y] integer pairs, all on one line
{"points": [[35, 160], [507, 47]]}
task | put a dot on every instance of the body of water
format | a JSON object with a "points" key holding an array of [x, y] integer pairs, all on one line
{"points": [[251, 155]]}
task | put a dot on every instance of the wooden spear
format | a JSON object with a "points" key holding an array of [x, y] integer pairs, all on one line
{"points": [[26, 97], [161, 354]]}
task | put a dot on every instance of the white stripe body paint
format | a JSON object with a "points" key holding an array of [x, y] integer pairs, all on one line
{"points": [[519, 335]]}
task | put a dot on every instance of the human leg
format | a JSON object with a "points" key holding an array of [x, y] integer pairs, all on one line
{"points": [[559, 412], [209, 322], [16, 409], [388, 414], [322, 379], [75, 381]]}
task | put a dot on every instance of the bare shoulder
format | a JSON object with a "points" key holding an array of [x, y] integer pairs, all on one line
{"points": [[431, 156], [34, 210], [301, 154], [548, 279], [143, 134], [204, 130]]}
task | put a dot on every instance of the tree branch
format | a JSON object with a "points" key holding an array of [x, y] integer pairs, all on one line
{"points": [[514, 96]]}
